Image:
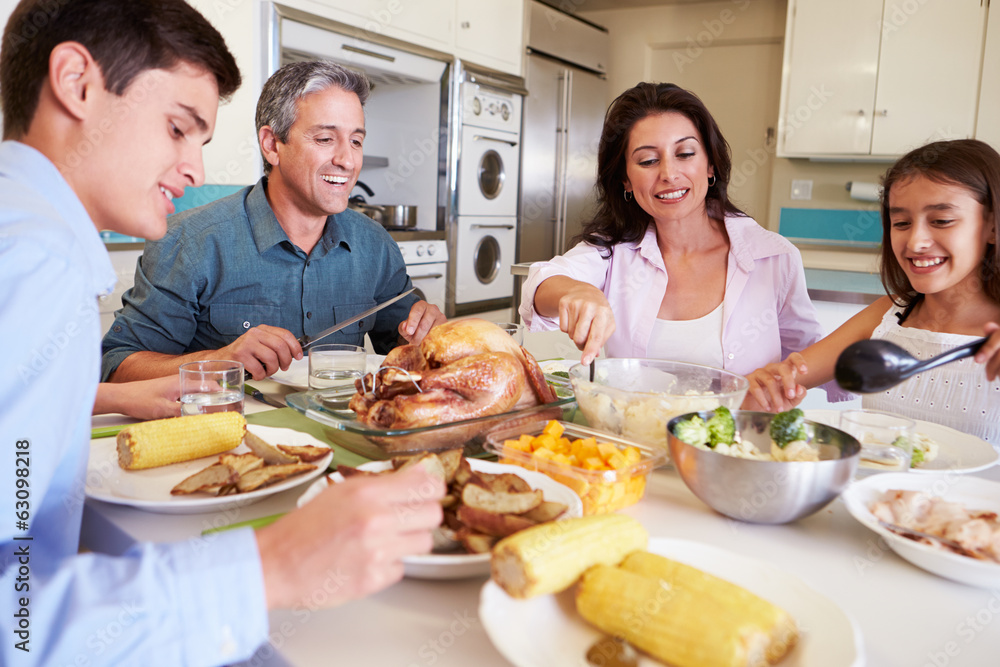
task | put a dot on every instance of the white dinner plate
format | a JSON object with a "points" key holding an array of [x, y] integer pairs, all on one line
{"points": [[461, 566], [973, 492], [297, 374], [150, 489], [546, 631], [957, 452]]}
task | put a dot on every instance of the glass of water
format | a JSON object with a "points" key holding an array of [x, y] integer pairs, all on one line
{"points": [[211, 386], [516, 331], [886, 439], [335, 365]]}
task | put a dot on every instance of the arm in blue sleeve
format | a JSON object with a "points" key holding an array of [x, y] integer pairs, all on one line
{"points": [[199, 602], [160, 311], [392, 281]]}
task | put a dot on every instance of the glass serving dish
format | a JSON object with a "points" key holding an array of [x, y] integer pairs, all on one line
{"points": [[330, 408], [601, 490]]}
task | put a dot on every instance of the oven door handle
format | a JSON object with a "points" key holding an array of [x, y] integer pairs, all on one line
{"points": [[491, 226], [479, 137], [427, 276]]}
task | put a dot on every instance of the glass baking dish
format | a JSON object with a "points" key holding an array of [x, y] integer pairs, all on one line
{"points": [[330, 408], [601, 490]]}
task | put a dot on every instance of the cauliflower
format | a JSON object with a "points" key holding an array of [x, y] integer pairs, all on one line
{"points": [[693, 431]]}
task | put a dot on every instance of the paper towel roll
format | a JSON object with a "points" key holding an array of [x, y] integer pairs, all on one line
{"points": [[864, 191]]}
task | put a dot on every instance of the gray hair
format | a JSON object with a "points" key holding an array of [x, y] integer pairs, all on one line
{"points": [[277, 105]]}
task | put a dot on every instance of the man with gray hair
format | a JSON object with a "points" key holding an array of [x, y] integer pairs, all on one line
{"points": [[243, 277]]}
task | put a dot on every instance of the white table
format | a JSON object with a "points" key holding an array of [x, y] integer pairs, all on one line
{"points": [[908, 616]]}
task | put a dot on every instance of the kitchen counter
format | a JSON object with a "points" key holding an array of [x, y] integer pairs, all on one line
{"points": [[906, 615]]}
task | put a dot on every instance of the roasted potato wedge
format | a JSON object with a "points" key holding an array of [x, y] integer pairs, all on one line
{"points": [[546, 511], [500, 502], [207, 480], [305, 453], [490, 523]]}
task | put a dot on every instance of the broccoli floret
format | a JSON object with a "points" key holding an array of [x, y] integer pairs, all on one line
{"points": [[788, 427], [693, 431], [721, 427], [916, 458]]}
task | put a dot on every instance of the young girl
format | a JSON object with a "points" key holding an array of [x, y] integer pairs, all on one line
{"points": [[940, 265]]}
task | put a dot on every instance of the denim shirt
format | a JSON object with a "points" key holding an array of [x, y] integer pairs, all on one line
{"points": [[200, 601], [228, 266]]}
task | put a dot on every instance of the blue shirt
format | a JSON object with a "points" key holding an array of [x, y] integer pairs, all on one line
{"points": [[228, 266], [198, 602]]}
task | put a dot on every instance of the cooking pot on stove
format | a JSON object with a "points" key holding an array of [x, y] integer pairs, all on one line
{"points": [[389, 216]]}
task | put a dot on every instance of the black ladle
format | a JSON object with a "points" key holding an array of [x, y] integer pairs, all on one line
{"points": [[870, 366]]}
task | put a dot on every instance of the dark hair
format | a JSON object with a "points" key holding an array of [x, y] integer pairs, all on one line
{"points": [[618, 220], [277, 106], [125, 38], [967, 163]]}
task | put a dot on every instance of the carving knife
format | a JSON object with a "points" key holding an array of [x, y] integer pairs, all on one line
{"points": [[305, 341]]}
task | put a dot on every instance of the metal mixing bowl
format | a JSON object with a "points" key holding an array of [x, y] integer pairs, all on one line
{"points": [[766, 491], [635, 398]]}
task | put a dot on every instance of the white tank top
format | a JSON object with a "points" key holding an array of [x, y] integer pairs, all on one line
{"points": [[693, 341], [956, 394]]}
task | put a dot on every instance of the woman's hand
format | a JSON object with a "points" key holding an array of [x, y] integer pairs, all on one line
{"points": [[774, 388], [585, 315], [989, 353]]}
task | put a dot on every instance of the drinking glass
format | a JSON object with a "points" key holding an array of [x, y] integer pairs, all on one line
{"points": [[886, 439], [211, 386], [516, 331], [335, 365]]}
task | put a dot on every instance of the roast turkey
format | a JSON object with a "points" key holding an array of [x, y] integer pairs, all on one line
{"points": [[461, 370]]}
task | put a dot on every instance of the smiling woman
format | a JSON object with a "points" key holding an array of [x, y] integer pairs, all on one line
{"points": [[669, 267]]}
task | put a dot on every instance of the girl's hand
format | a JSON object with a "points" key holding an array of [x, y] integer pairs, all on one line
{"points": [[774, 388], [585, 315], [989, 353]]}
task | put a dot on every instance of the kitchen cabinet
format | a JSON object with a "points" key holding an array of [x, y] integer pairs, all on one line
{"points": [[879, 77], [427, 23], [988, 122], [233, 156], [490, 33]]}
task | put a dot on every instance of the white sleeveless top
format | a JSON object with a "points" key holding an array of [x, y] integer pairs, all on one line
{"points": [[692, 341], [956, 394]]}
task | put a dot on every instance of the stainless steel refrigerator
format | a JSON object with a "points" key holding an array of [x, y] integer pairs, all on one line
{"points": [[562, 118]]}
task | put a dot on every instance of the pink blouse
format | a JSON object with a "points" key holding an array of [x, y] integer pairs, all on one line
{"points": [[767, 313]]}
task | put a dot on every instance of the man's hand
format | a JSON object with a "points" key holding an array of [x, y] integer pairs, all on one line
{"points": [[263, 350], [350, 540], [422, 317]]}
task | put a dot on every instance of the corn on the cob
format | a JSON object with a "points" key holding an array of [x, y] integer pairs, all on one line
{"points": [[165, 441], [673, 624], [775, 621], [550, 557]]}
